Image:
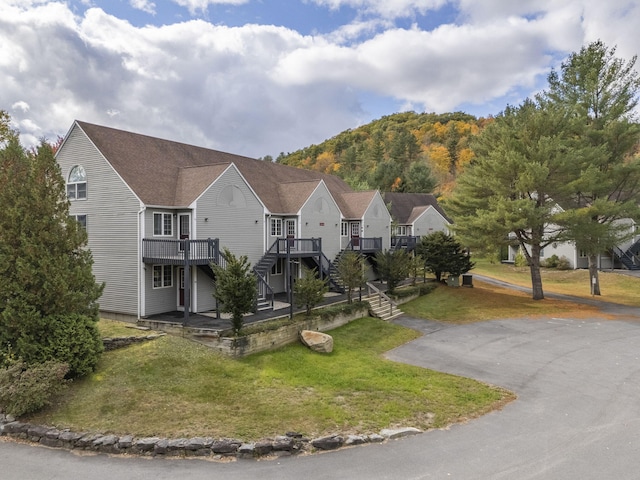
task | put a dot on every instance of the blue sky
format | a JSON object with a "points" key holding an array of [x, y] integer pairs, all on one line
{"points": [[262, 77]]}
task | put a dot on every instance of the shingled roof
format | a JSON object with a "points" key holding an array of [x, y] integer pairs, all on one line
{"points": [[406, 207], [168, 173]]}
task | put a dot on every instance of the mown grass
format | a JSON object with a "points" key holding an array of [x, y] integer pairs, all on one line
{"points": [[614, 287], [172, 387], [113, 328], [488, 302]]}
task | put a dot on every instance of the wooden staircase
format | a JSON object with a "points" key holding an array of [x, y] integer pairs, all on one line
{"points": [[381, 306]]}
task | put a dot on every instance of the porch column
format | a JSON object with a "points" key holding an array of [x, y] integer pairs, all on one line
{"points": [[187, 283]]}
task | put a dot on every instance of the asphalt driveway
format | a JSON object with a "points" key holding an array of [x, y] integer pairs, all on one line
{"points": [[577, 415]]}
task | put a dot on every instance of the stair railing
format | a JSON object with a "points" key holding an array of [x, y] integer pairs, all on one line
{"points": [[372, 289]]}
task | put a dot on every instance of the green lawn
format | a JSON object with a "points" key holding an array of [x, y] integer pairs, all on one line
{"points": [[614, 287], [172, 387]]}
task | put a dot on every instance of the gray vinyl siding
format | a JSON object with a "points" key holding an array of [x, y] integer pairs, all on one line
{"points": [[376, 222], [112, 223], [204, 288], [238, 225], [320, 218], [160, 300], [429, 222]]}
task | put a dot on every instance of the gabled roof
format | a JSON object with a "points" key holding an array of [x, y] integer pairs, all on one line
{"points": [[406, 207], [163, 172], [356, 203]]}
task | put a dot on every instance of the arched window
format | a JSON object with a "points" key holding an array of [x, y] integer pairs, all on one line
{"points": [[77, 184]]}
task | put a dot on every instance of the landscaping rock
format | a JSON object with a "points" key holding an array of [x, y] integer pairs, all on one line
{"points": [[355, 440], [391, 433], [317, 341], [328, 443], [226, 446]]}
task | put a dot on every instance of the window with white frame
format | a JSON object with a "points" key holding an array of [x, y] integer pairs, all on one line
{"points": [[401, 230], [162, 276], [344, 229], [276, 227], [82, 220], [77, 184], [162, 225], [277, 268]]}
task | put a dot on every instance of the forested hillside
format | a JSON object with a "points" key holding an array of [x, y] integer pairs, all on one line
{"points": [[404, 152]]}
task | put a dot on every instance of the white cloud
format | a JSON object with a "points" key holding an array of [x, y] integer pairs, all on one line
{"points": [[260, 89], [386, 8], [21, 106], [201, 5], [144, 5]]}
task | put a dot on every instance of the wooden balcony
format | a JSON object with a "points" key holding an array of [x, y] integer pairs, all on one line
{"points": [[405, 242], [365, 245], [180, 252]]}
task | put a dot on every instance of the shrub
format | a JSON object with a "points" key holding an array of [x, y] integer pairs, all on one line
{"points": [[420, 290], [26, 389], [551, 262], [563, 263], [309, 290], [520, 260], [71, 339]]}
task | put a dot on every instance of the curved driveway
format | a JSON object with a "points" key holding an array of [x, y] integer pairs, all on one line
{"points": [[577, 415]]}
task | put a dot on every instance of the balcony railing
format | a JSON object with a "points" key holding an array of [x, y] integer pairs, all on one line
{"points": [[365, 245], [405, 242], [179, 252]]}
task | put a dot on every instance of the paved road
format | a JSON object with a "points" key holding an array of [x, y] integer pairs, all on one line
{"points": [[577, 415]]}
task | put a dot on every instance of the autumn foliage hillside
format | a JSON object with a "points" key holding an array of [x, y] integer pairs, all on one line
{"points": [[404, 152]]}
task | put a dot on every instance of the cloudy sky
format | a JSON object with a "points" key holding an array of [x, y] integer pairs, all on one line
{"points": [[258, 77]]}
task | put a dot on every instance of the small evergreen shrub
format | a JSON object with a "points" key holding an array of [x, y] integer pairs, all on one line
{"points": [[520, 260], [563, 263], [551, 262], [72, 339], [26, 389]]}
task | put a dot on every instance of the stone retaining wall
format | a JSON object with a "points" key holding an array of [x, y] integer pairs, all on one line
{"points": [[256, 342], [289, 444]]}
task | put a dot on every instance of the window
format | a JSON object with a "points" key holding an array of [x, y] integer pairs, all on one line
{"points": [[344, 229], [401, 230], [162, 276], [276, 227], [82, 220], [291, 228], [77, 184], [277, 268], [162, 225]]}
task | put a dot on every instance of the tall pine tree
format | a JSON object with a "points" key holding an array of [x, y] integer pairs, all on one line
{"points": [[601, 91], [48, 294]]}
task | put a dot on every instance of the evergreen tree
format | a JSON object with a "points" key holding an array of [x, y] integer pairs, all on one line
{"points": [[442, 253], [601, 91], [393, 267], [418, 179], [525, 160], [48, 295], [235, 288], [309, 290], [351, 272]]}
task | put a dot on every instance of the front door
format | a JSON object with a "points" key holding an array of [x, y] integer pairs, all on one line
{"points": [[184, 226], [355, 234], [290, 231]]}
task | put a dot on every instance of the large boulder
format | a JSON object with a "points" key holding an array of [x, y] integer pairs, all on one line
{"points": [[317, 341]]}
